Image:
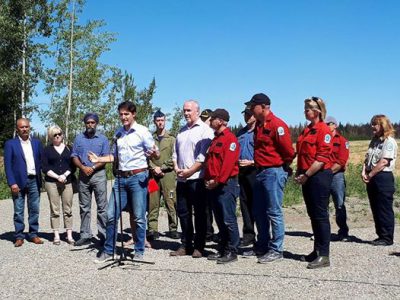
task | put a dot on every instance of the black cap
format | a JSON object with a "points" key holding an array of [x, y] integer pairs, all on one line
{"points": [[220, 113], [205, 114], [247, 110], [158, 114], [259, 99]]}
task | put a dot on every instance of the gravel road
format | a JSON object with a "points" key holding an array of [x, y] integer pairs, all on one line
{"points": [[358, 269]]}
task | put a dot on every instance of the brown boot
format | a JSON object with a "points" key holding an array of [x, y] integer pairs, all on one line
{"points": [[180, 252]]}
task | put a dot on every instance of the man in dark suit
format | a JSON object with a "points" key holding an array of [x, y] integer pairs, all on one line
{"points": [[22, 163]]}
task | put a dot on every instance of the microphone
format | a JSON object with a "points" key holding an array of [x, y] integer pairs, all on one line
{"points": [[116, 137]]}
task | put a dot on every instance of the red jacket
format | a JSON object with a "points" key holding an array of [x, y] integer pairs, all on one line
{"points": [[272, 143], [222, 157], [314, 143], [340, 150]]}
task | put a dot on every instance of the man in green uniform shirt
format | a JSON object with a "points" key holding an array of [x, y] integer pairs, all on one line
{"points": [[163, 172]]}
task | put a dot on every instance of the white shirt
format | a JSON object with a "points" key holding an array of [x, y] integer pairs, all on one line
{"points": [[132, 146], [191, 146], [28, 153], [379, 149]]}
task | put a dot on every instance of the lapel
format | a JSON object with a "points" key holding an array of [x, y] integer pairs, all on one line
{"points": [[19, 148]]}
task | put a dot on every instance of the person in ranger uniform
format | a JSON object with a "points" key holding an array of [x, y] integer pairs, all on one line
{"points": [[273, 154], [377, 173], [339, 156], [314, 173], [221, 182], [162, 170]]}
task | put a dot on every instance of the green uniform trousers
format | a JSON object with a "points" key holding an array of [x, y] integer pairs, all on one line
{"points": [[167, 188]]}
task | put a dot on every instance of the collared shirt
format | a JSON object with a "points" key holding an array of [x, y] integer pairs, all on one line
{"points": [[246, 141], [314, 144], [379, 149], [132, 146], [191, 146], [272, 143], [222, 157], [28, 153], [340, 150], [98, 144]]}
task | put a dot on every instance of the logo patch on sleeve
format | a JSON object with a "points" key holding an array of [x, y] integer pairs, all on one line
{"points": [[327, 139], [347, 145], [390, 147], [281, 131], [232, 147]]}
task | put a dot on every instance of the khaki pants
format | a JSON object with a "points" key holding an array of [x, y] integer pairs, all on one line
{"points": [[167, 185], [54, 192]]}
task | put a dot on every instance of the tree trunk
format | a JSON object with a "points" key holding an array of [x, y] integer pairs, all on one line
{"points": [[23, 69], [71, 67]]}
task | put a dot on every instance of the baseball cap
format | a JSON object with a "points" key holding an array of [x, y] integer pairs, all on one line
{"points": [[330, 119], [220, 113], [259, 99]]}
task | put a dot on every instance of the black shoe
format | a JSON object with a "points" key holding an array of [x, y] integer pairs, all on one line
{"points": [[340, 237], [319, 262], [214, 256], [246, 243], [381, 242], [153, 235], [310, 257], [250, 253], [174, 235], [83, 242], [227, 258]]}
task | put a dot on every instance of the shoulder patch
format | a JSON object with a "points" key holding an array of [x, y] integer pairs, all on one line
{"points": [[281, 131], [327, 138], [389, 146], [232, 147], [347, 145]]}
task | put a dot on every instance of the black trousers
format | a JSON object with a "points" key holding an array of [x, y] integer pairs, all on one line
{"points": [[380, 191], [191, 197], [247, 177], [316, 193]]}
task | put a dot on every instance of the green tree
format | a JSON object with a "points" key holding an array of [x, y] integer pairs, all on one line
{"points": [[78, 80], [23, 26], [177, 118]]}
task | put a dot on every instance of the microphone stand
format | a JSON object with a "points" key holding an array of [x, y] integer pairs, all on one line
{"points": [[120, 262]]}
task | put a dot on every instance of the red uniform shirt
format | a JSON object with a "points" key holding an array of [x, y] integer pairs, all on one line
{"points": [[222, 157], [272, 143], [340, 150], [314, 143]]}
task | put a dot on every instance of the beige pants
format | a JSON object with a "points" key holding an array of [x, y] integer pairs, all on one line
{"points": [[54, 192]]}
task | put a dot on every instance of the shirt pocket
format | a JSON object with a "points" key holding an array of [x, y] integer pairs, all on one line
{"points": [[97, 148]]}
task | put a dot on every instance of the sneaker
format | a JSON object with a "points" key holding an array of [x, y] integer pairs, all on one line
{"points": [[103, 257], [270, 256], [83, 242], [214, 256], [251, 253], [138, 256]]}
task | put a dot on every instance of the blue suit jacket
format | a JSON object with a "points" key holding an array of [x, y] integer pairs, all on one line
{"points": [[15, 163]]}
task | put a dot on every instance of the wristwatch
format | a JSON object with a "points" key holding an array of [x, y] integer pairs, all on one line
{"points": [[94, 167]]}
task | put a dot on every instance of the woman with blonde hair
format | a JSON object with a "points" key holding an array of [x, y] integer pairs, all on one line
{"points": [[377, 173], [314, 147], [57, 167]]}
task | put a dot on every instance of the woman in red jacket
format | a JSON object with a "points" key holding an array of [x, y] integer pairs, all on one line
{"points": [[314, 147]]}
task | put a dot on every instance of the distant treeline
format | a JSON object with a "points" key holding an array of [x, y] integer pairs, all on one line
{"points": [[351, 132]]}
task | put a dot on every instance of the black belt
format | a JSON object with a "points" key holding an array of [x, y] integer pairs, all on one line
{"points": [[31, 176], [262, 168], [130, 172]]}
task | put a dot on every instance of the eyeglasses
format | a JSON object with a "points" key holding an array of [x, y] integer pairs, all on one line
{"points": [[57, 134], [90, 122]]}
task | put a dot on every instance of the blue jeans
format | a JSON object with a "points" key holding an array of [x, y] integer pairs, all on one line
{"points": [[338, 192], [31, 191], [223, 200], [134, 190], [267, 208]]}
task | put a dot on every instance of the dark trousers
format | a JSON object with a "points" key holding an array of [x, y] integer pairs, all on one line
{"points": [[223, 200], [190, 196], [209, 219], [247, 177], [316, 196], [380, 191]]}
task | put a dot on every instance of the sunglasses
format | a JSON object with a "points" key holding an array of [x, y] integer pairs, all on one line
{"points": [[57, 134]]}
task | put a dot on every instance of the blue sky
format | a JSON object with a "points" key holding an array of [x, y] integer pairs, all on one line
{"points": [[222, 52]]}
